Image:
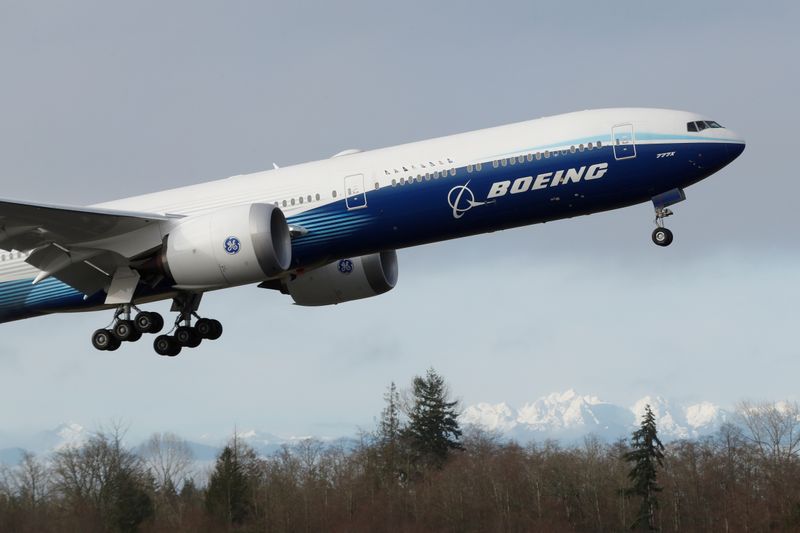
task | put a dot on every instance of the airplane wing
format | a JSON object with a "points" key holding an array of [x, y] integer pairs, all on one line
{"points": [[84, 247]]}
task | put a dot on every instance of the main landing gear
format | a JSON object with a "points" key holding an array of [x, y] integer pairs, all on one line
{"points": [[182, 335], [123, 329]]}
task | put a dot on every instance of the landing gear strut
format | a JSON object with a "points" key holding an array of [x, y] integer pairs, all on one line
{"points": [[184, 334]]}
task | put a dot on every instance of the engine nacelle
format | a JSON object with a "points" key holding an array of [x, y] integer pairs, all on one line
{"points": [[232, 246], [345, 280]]}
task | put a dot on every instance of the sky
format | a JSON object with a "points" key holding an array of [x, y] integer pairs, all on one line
{"points": [[102, 100]]}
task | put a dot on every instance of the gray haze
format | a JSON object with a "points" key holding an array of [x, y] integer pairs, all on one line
{"points": [[101, 100]]}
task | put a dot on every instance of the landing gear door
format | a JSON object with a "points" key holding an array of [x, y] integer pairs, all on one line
{"points": [[624, 142], [355, 194]]}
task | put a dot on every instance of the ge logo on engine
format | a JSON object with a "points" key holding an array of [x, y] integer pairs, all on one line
{"points": [[345, 266], [232, 245]]}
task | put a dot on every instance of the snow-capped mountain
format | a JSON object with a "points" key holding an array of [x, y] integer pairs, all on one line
{"points": [[569, 416]]}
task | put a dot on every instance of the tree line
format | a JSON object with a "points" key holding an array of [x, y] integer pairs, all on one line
{"points": [[418, 470]]}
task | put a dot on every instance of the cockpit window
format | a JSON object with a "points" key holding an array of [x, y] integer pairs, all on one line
{"points": [[700, 125]]}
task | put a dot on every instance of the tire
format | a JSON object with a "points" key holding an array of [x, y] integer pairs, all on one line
{"points": [[124, 330], [217, 333], [144, 322], [188, 336], [166, 345], [662, 236], [102, 339], [205, 328], [158, 323], [115, 344]]}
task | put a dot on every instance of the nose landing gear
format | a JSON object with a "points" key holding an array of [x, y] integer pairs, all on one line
{"points": [[661, 235]]}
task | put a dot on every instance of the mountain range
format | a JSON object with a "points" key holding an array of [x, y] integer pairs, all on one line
{"points": [[565, 416], [569, 416]]}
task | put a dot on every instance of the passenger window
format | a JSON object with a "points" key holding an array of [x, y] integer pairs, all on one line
{"points": [[580, 147], [402, 181], [494, 163], [469, 169], [512, 161], [452, 172], [546, 154], [333, 193], [377, 186], [538, 156], [599, 144], [301, 199], [394, 183], [503, 162], [521, 159], [284, 203], [572, 149], [589, 146], [292, 201], [478, 167], [318, 197]]}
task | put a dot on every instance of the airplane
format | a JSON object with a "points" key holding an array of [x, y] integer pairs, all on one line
{"points": [[327, 232]]}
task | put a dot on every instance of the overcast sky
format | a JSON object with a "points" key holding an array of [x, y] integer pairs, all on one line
{"points": [[101, 100]]}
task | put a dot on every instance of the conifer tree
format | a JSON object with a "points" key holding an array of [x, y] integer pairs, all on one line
{"points": [[432, 430], [647, 455], [228, 493], [388, 434]]}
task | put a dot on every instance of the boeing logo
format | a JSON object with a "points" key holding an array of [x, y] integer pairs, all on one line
{"points": [[547, 179], [462, 199]]}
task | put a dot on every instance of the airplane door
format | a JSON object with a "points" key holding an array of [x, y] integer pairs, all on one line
{"points": [[356, 195], [624, 142]]}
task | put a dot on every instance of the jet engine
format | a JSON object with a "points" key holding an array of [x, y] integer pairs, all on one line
{"points": [[232, 246], [343, 280]]}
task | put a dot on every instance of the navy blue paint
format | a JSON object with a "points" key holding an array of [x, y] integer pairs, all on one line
{"points": [[419, 213]]}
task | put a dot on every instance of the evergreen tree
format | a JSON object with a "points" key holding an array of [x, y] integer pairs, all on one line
{"points": [[647, 454], [432, 430], [388, 435], [228, 494]]}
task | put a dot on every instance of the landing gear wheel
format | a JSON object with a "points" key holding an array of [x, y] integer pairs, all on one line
{"points": [[102, 339], [115, 344], [188, 336], [204, 327], [217, 330], [166, 345], [124, 330], [148, 322], [662, 236], [158, 323]]}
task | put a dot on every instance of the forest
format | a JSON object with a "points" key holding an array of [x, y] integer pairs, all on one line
{"points": [[419, 470]]}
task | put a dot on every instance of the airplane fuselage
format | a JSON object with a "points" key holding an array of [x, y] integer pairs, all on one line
{"points": [[359, 203]]}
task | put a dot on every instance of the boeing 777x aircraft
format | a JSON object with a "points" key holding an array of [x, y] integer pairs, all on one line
{"points": [[326, 232]]}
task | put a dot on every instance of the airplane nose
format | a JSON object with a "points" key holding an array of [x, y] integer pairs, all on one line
{"points": [[735, 149]]}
